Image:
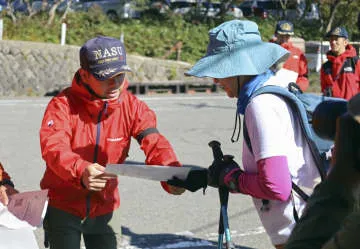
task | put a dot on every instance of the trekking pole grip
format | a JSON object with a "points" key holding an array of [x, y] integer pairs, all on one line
{"points": [[216, 149]]}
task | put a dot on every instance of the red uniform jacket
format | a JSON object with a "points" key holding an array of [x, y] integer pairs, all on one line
{"points": [[297, 62], [341, 74], [79, 129]]}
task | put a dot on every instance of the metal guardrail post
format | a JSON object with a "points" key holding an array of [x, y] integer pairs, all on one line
{"points": [[1, 28], [122, 37], [63, 33]]}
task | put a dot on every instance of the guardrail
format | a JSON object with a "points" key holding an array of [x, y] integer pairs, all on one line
{"points": [[175, 87], [169, 87]]}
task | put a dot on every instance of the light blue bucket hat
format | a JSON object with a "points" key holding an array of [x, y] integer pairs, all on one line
{"points": [[235, 48]]}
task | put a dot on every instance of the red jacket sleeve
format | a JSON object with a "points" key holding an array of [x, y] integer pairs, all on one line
{"points": [[357, 69], [3, 174], [55, 137], [302, 79], [157, 148]]}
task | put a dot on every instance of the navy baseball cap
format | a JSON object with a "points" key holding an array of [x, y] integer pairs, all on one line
{"points": [[284, 28], [104, 57], [338, 31]]}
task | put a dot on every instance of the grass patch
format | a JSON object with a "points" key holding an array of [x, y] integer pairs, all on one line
{"points": [[314, 82]]}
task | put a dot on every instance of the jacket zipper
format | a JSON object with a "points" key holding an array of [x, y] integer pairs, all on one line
{"points": [[98, 131]]}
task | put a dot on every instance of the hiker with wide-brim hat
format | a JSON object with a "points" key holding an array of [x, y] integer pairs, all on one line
{"points": [[240, 62]]}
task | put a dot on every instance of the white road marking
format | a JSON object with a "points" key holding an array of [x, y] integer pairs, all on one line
{"points": [[178, 244], [235, 234], [148, 98]]}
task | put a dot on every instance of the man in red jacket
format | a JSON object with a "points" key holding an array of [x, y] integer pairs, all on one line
{"points": [[84, 128], [340, 75], [295, 67]]}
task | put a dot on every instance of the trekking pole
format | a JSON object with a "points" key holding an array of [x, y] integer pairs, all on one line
{"points": [[224, 198]]}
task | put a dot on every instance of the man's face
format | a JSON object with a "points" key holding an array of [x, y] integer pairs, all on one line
{"points": [[338, 44], [230, 86], [282, 39], [106, 89]]}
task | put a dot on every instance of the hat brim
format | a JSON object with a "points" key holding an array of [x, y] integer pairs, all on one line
{"points": [[285, 32], [109, 72], [329, 34], [248, 60]]}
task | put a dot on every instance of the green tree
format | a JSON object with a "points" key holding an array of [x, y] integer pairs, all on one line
{"points": [[339, 12]]}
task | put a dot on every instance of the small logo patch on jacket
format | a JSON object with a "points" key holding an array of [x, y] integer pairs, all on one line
{"points": [[348, 69], [115, 139], [50, 123]]}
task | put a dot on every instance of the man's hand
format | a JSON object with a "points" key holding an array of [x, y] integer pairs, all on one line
{"points": [[94, 177], [224, 173], [175, 190], [195, 180], [5, 192]]}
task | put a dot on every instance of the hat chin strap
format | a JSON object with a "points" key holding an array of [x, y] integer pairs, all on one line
{"points": [[237, 116], [81, 80], [238, 85], [91, 91]]}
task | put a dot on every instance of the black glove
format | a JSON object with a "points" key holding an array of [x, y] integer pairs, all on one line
{"points": [[195, 180], [224, 173]]}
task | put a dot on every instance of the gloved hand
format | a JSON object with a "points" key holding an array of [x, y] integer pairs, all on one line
{"points": [[224, 173], [196, 179]]}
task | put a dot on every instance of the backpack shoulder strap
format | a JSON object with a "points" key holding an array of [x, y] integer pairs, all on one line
{"points": [[277, 90], [354, 61], [355, 58], [289, 98], [327, 66], [298, 108]]}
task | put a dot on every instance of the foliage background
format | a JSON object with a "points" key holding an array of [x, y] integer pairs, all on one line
{"points": [[154, 35]]}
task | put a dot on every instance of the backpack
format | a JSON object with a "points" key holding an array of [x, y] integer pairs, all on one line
{"points": [[303, 105]]}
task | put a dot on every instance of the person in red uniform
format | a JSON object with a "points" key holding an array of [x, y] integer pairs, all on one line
{"points": [[6, 186], [84, 128], [340, 75], [295, 66]]}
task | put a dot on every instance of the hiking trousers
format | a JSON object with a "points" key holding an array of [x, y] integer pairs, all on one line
{"points": [[63, 230]]}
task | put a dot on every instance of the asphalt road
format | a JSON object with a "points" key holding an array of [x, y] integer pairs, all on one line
{"points": [[151, 218]]}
